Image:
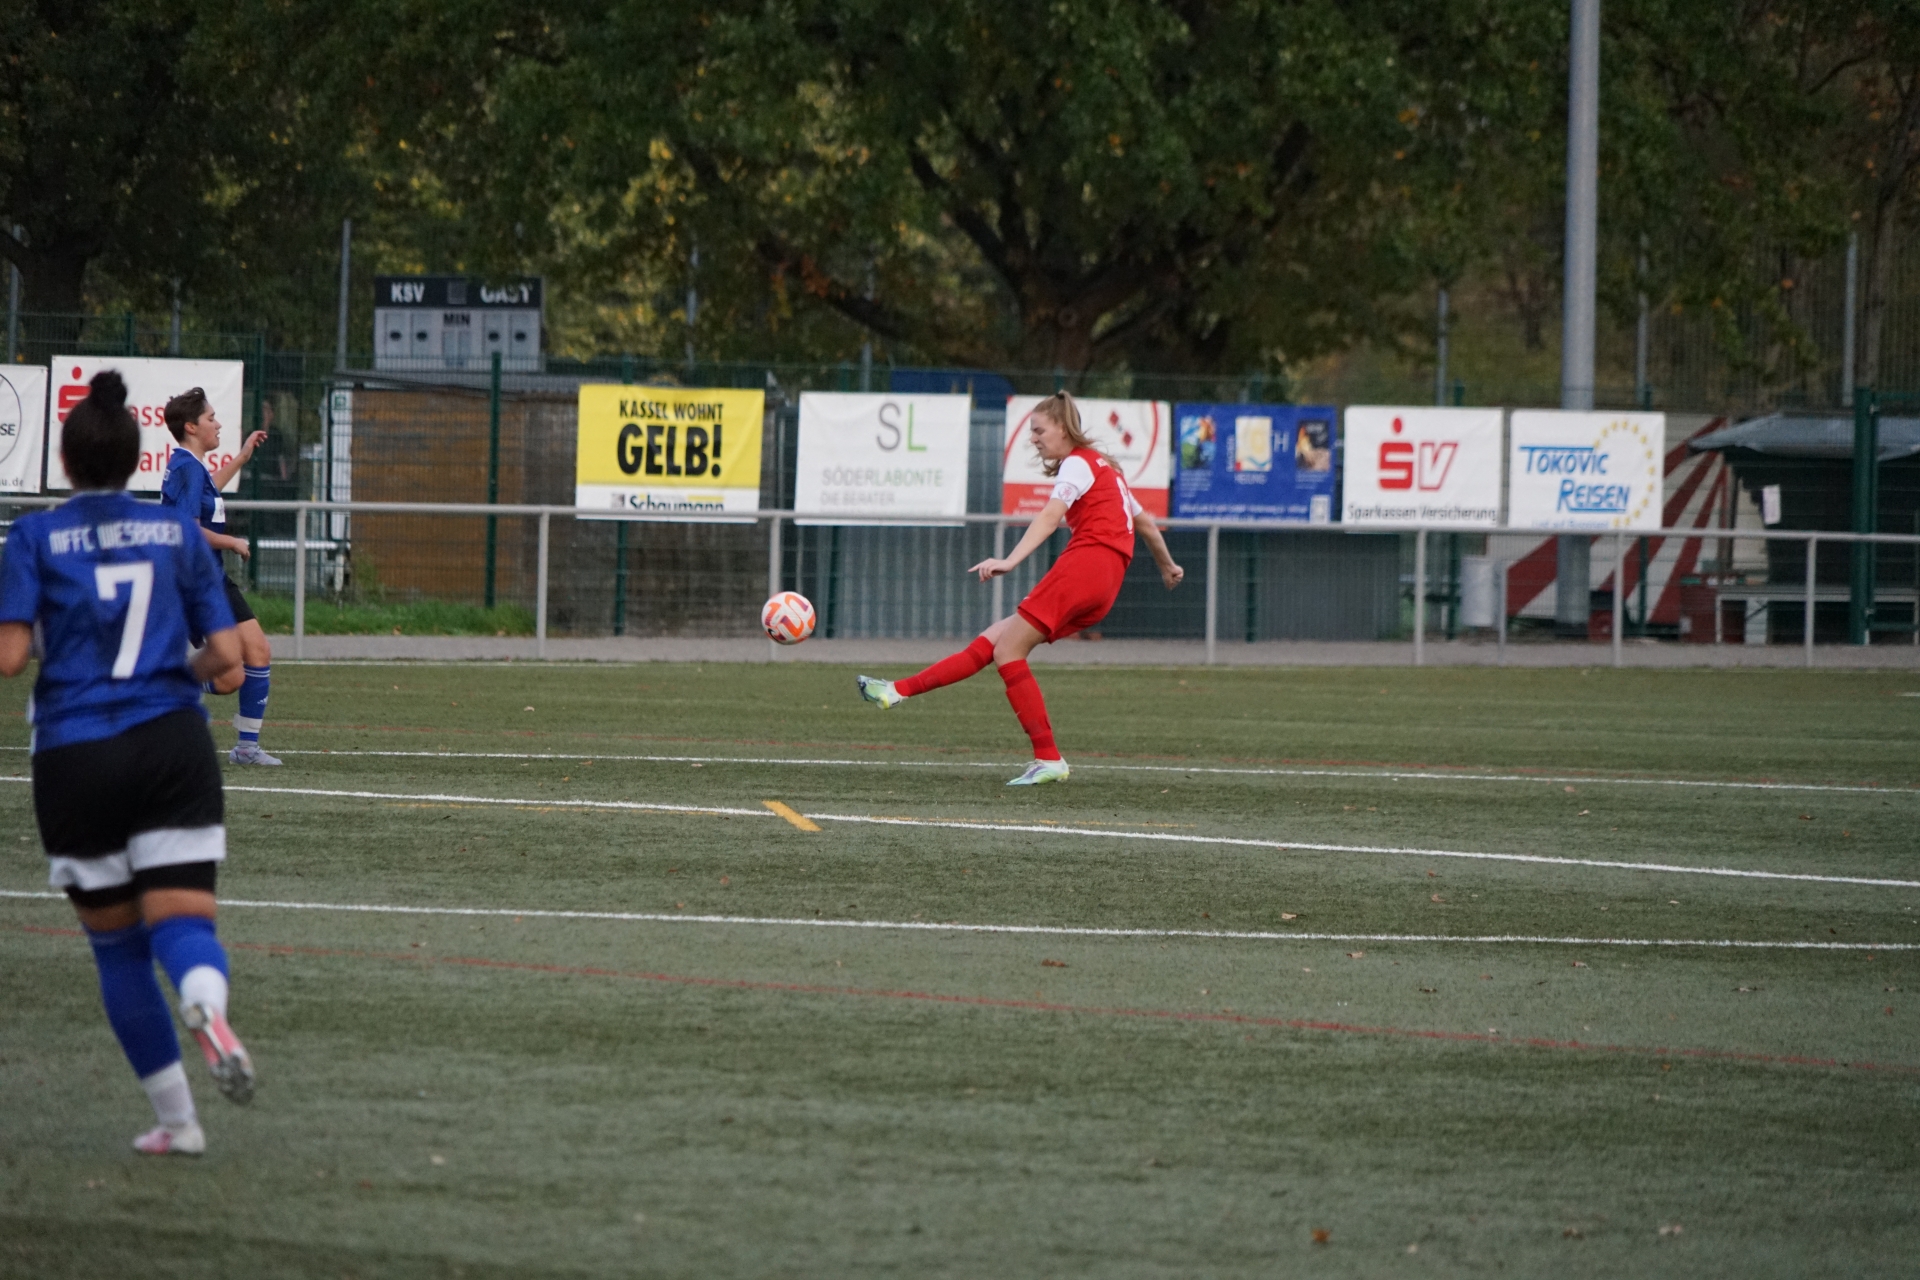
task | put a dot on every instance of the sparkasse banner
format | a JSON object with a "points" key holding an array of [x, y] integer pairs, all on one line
{"points": [[1408, 466], [1571, 470], [23, 426], [881, 455], [150, 384], [1137, 434], [657, 453]]}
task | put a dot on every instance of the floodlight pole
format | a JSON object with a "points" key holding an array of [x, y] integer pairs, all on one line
{"points": [[1440, 350], [346, 279], [1572, 577], [13, 307], [1847, 321]]}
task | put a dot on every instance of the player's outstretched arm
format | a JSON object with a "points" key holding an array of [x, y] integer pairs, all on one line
{"points": [[16, 646], [223, 474], [1038, 532], [217, 659], [1170, 573]]}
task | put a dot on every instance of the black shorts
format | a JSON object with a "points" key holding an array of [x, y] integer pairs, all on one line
{"points": [[140, 810], [242, 611]]}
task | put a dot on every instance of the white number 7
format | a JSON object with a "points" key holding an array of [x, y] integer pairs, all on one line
{"points": [[139, 575]]}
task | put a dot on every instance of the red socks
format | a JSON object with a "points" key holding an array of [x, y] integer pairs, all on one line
{"points": [[949, 670], [1023, 691]]}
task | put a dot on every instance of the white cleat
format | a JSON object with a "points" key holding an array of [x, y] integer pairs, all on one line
{"points": [[250, 753], [879, 692], [172, 1140], [1041, 771], [226, 1057]]}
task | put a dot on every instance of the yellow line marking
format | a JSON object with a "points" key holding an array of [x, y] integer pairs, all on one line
{"points": [[799, 820]]}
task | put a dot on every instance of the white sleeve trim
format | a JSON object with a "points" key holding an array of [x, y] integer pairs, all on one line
{"points": [[1133, 504], [1071, 482]]}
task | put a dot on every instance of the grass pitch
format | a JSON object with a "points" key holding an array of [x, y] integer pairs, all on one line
{"points": [[1253, 1002]]}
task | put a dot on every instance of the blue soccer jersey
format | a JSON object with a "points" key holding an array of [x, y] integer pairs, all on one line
{"points": [[188, 489], [113, 587]]}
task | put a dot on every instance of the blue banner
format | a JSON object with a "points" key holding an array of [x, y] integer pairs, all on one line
{"points": [[1254, 461]]}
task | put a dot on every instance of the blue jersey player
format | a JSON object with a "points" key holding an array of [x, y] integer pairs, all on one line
{"points": [[126, 783], [194, 492]]}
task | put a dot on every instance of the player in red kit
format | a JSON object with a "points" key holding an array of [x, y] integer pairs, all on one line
{"points": [[1090, 497]]}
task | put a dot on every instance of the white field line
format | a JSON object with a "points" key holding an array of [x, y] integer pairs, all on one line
{"points": [[1375, 774], [1238, 842], [1042, 930]]}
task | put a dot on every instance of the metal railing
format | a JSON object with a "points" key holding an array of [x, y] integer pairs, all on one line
{"points": [[302, 544]]}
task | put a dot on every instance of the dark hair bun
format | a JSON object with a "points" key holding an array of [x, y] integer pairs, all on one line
{"points": [[109, 390]]}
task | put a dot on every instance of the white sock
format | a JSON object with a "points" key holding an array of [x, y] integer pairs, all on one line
{"points": [[204, 984], [171, 1097]]}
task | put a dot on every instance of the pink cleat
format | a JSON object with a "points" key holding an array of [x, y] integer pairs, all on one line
{"points": [[226, 1057], [172, 1140]]}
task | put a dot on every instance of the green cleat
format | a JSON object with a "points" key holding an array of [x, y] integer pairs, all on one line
{"points": [[1042, 771], [879, 692]]}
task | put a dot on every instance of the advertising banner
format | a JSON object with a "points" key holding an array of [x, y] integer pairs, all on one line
{"points": [[1254, 462], [23, 426], [150, 384], [654, 453], [881, 455], [1134, 433], [1409, 466], [1586, 470]]}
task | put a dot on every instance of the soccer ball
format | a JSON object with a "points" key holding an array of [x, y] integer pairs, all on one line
{"points": [[788, 618]]}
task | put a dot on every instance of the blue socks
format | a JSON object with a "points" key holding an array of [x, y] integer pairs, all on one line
{"points": [[136, 1010], [185, 943], [253, 702]]}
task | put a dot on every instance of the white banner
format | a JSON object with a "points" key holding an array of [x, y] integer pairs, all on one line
{"points": [[150, 384], [1137, 434], [1409, 466], [1586, 470], [23, 426], [881, 455]]}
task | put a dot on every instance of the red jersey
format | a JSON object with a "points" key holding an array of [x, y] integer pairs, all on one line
{"points": [[1100, 508]]}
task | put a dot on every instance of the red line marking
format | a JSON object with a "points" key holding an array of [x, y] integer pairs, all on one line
{"points": [[1047, 1006]]}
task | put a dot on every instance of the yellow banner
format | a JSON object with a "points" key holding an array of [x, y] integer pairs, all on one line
{"points": [[666, 451]]}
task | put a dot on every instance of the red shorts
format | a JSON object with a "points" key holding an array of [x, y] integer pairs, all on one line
{"points": [[1076, 592]]}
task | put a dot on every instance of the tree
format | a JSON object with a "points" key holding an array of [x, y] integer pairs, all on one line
{"points": [[1079, 184]]}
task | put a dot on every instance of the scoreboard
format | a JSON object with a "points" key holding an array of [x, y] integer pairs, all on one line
{"points": [[432, 323]]}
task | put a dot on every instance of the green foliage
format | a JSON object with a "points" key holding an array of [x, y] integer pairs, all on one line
{"points": [[1081, 184], [327, 617]]}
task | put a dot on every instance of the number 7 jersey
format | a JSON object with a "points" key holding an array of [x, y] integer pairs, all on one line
{"points": [[113, 589]]}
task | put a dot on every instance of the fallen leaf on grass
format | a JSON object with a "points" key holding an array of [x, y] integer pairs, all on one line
{"points": [[1429, 990], [1355, 955], [1568, 790], [438, 1159], [1671, 1229], [1436, 898], [1806, 817], [1053, 964], [1746, 988], [1573, 1233], [1289, 915], [526, 708], [1579, 964], [1321, 1235], [1583, 813]]}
